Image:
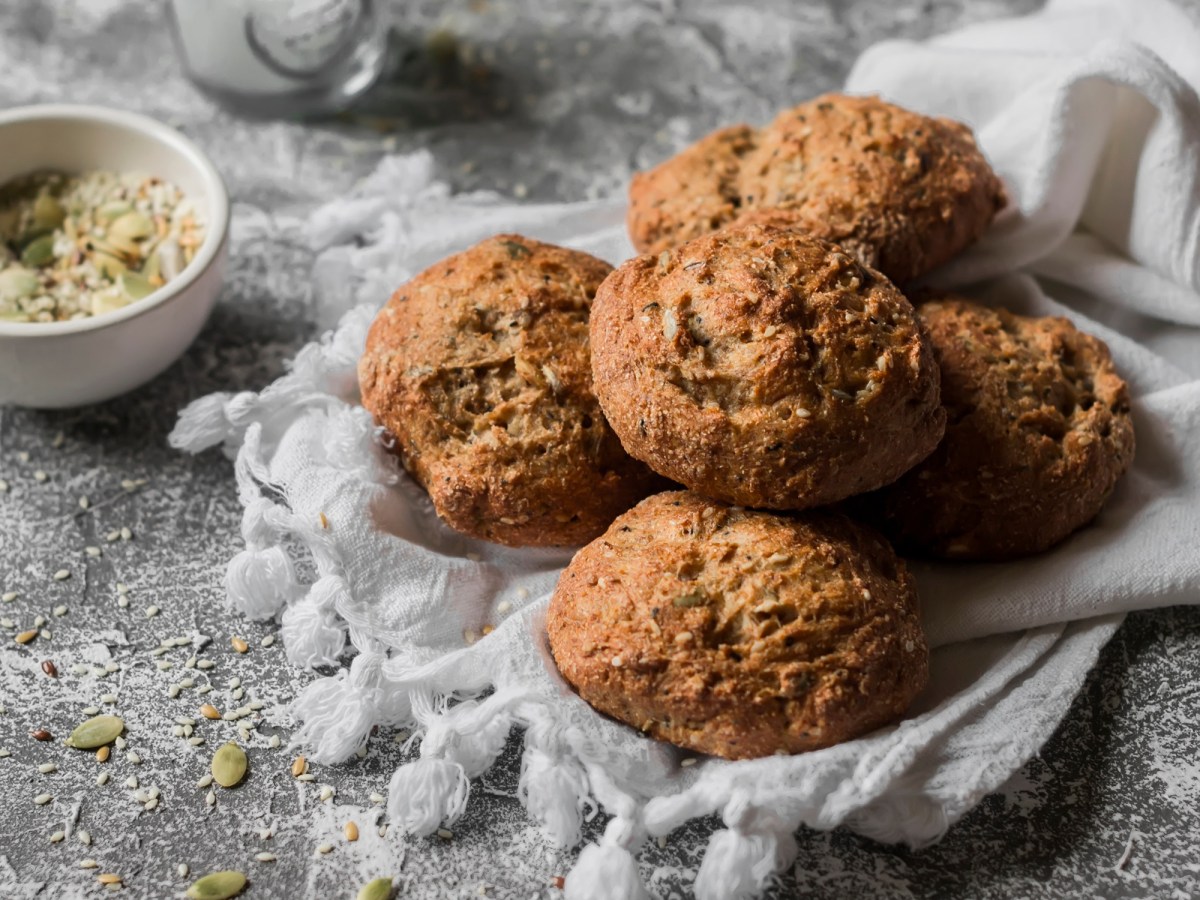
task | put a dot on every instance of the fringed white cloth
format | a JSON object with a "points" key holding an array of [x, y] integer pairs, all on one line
{"points": [[1112, 229]]}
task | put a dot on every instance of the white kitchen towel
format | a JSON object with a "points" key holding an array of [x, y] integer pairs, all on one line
{"points": [[1013, 642]]}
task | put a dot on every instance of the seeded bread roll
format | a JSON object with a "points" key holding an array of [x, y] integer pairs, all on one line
{"points": [[479, 369], [901, 192], [1039, 434], [739, 633], [764, 368]]}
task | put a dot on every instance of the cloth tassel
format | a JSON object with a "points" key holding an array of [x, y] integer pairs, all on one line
{"points": [[311, 635], [336, 717], [427, 793], [554, 789], [605, 871], [259, 583], [476, 751], [202, 424], [738, 866]]}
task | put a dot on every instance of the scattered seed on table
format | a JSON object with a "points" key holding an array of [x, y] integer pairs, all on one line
{"points": [[255, 705], [59, 611], [266, 642], [209, 711], [177, 730], [26, 636], [131, 782], [152, 611], [112, 667], [5, 753], [109, 878], [239, 645], [113, 536], [3, 485], [10, 596], [234, 682], [57, 837], [84, 502], [187, 682], [42, 799], [217, 886], [41, 734], [211, 798], [61, 575], [150, 804], [205, 664], [274, 742], [299, 766], [265, 856], [123, 601], [445, 834], [350, 829], [191, 663], [126, 534], [195, 741], [108, 698], [93, 552], [326, 794], [379, 889], [102, 779], [40, 477], [237, 694], [205, 781], [50, 668], [182, 870], [174, 690], [122, 587], [96, 732], [306, 777], [376, 798], [324, 848], [102, 754], [165, 665], [84, 837], [39, 621], [119, 743], [88, 864], [204, 689], [45, 634], [47, 768], [133, 758]]}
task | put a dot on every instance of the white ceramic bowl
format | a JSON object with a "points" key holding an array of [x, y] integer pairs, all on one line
{"points": [[73, 363]]}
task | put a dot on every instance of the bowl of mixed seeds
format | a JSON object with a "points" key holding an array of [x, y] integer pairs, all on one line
{"points": [[113, 242]]}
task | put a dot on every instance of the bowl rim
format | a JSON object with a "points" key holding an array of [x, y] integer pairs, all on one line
{"points": [[173, 140]]}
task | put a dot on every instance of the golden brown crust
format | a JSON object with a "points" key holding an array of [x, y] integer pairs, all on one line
{"points": [[739, 633], [764, 368], [902, 192], [479, 368], [1039, 433]]}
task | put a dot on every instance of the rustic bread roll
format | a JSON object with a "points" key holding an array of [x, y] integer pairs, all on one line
{"points": [[1039, 433], [901, 192], [739, 633], [479, 368], [764, 368]]}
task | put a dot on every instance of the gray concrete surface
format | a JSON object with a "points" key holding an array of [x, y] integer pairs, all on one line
{"points": [[546, 100]]}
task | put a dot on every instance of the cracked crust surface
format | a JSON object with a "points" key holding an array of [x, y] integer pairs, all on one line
{"points": [[764, 368], [1039, 433], [903, 193], [479, 369], [739, 633]]}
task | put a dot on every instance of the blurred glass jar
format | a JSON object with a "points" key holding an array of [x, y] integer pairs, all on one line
{"points": [[280, 58]]}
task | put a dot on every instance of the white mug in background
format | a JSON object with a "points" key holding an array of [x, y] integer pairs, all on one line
{"points": [[280, 58]]}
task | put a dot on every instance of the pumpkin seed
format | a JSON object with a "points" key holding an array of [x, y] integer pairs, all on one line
{"points": [[39, 252], [48, 212], [379, 889], [96, 732], [111, 211], [136, 286], [516, 250], [687, 601], [110, 267], [217, 886], [229, 765], [131, 226]]}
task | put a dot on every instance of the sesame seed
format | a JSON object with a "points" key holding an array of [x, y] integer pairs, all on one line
{"points": [[57, 837], [113, 536], [204, 781], [204, 689], [264, 856], [617, 662], [133, 758], [152, 611], [131, 782], [61, 575], [503, 607], [84, 838], [268, 640], [112, 667], [45, 634], [9, 596], [122, 587], [187, 682], [108, 698], [182, 870], [265, 834], [3, 486], [150, 804], [102, 779], [126, 534], [522, 593], [164, 665], [376, 798], [39, 476], [88, 864], [690, 761], [803, 413], [47, 768], [255, 705], [5, 753], [84, 502], [174, 690], [123, 601], [307, 776], [205, 664], [323, 519], [662, 842], [324, 848], [119, 743], [210, 798], [326, 794], [130, 484], [93, 552], [39, 621], [60, 611], [195, 741], [445, 834], [42, 799], [274, 742]]}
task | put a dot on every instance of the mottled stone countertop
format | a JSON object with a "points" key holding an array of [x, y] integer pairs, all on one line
{"points": [[556, 101]]}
